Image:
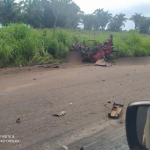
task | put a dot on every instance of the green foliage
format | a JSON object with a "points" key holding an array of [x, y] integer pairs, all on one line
{"points": [[9, 11], [22, 45], [66, 14], [19, 44], [132, 44], [142, 24], [117, 22], [32, 12], [101, 19]]}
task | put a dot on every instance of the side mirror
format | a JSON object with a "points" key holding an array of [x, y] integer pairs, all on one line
{"points": [[138, 125]]}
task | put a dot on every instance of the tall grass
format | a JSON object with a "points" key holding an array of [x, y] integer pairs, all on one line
{"points": [[23, 45]]}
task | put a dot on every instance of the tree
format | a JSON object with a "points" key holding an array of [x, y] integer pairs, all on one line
{"points": [[73, 14], [144, 25], [57, 7], [102, 18], [9, 11], [65, 14], [60, 13], [48, 16], [117, 22], [136, 19], [88, 21], [33, 12], [97, 17], [105, 18]]}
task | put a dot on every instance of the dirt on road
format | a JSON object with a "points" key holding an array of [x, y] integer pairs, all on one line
{"points": [[83, 91]]}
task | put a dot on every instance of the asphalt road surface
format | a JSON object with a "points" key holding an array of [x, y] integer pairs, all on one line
{"points": [[34, 94]]}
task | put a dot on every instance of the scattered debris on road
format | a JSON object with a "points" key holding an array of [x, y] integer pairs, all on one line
{"points": [[34, 79], [121, 122], [59, 115], [103, 80], [115, 111], [109, 102], [102, 63], [65, 147], [127, 74], [55, 66], [18, 120], [50, 66]]}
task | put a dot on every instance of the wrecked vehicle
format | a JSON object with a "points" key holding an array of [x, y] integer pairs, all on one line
{"points": [[97, 54], [115, 111]]}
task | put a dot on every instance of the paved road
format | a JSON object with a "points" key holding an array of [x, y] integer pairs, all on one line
{"points": [[83, 92]]}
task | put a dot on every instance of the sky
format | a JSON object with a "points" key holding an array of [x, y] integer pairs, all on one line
{"points": [[128, 7]]}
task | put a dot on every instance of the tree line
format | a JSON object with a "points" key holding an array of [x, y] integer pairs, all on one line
{"points": [[65, 14]]}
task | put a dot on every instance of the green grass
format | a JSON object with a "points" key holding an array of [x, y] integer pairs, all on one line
{"points": [[22, 45]]}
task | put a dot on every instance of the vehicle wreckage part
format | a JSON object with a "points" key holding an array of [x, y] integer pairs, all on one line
{"points": [[115, 111], [102, 63], [81, 52]]}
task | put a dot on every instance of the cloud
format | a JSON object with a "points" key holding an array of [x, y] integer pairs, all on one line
{"points": [[112, 5], [144, 9]]}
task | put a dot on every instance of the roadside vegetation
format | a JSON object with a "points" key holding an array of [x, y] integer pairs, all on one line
{"points": [[42, 31], [22, 45]]}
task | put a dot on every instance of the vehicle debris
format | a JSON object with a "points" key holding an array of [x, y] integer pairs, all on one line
{"points": [[102, 63], [121, 122], [34, 79], [99, 54], [82, 148], [55, 66], [59, 115], [109, 102], [18, 120], [50, 66], [115, 111], [65, 147]]}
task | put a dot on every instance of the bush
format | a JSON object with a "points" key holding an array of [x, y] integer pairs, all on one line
{"points": [[21, 45]]}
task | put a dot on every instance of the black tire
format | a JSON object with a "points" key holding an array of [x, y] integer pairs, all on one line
{"points": [[109, 115], [74, 57]]}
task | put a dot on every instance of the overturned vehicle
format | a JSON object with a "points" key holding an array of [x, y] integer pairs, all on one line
{"points": [[99, 53]]}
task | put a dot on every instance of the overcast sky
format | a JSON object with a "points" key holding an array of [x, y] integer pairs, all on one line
{"points": [[128, 7]]}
